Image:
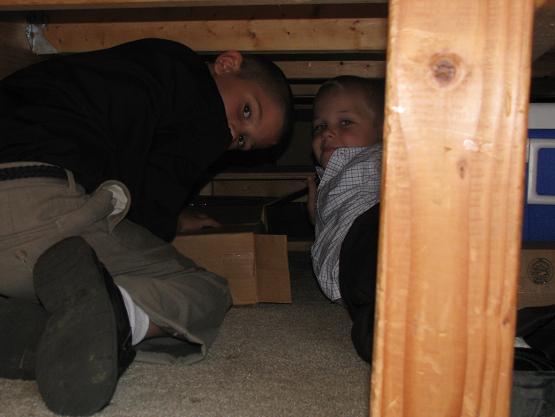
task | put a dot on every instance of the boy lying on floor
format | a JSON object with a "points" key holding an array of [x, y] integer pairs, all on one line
{"points": [[346, 142]]}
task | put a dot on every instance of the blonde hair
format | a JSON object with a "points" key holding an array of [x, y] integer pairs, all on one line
{"points": [[372, 90]]}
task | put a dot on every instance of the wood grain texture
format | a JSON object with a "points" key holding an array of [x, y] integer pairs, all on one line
{"points": [[456, 107], [113, 4], [329, 69], [244, 35]]}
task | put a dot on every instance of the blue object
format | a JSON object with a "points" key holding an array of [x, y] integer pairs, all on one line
{"points": [[539, 209]]}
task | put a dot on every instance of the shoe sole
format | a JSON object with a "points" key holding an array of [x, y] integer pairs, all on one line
{"points": [[533, 394], [77, 366]]}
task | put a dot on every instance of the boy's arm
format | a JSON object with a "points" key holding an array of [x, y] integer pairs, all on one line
{"points": [[192, 221]]}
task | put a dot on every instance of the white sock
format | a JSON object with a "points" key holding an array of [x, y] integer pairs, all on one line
{"points": [[138, 319], [520, 343]]}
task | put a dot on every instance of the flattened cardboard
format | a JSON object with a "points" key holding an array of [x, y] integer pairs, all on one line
{"points": [[537, 275], [255, 265]]}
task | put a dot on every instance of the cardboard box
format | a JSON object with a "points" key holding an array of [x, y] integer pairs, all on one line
{"points": [[255, 265], [247, 250], [537, 281]]}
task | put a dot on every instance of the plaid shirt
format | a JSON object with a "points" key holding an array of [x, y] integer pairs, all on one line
{"points": [[348, 187]]}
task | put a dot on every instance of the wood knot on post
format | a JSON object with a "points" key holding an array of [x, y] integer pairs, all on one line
{"points": [[461, 168], [445, 69]]}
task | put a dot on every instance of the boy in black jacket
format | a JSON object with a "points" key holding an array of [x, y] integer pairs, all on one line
{"points": [[98, 154]]}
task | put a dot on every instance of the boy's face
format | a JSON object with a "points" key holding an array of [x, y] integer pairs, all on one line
{"points": [[342, 119], [254, 119]]}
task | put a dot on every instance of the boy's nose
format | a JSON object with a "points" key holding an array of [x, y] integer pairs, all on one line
{"points": [[329, 132], [231, 130]]}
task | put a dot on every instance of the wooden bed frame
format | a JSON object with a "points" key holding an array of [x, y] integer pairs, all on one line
{"points": [[458, 77]]}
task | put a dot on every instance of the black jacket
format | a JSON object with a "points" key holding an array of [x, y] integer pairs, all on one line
{"points": [[147, 113]]}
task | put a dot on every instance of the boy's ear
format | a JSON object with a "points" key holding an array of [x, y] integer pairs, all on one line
{"points": [[228, 62]]}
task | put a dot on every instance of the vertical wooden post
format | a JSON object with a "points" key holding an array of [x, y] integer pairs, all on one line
{"points": [[456, 115]]}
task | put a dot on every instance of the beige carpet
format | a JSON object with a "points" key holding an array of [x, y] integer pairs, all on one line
{"points": [[268, 361]]}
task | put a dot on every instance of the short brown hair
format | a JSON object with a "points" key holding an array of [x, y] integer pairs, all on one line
{"points": [[269, 75]]}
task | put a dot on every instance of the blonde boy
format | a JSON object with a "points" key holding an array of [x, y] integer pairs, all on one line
{"points": [[346, 142]]}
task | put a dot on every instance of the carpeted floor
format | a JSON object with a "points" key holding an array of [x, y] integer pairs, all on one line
{"points": [[268, 361]]}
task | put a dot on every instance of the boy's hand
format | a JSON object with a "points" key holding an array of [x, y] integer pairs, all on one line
{"points": [[192, 221], [311, 198]]}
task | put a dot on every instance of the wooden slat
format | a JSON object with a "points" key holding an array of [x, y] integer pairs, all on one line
{"points": [[242, 12], [244, 35], [305, 90], [262, 176], [329, 69], [544, 32], [544, 29], [113, 4], [457, 95], [257, 188]]}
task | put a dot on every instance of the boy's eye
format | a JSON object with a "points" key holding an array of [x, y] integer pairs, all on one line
{"points": [[241, 141], [318, 129], [346, 122], [246, 111]]}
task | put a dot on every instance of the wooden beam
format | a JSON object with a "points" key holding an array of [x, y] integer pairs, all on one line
{"points": [[242, 12], [115, 4], [329, 69], [244, 35], [544, 29], [305, 90], [457, 102]]}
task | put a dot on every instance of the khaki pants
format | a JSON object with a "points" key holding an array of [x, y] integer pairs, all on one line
{"points": [[180, 297]]}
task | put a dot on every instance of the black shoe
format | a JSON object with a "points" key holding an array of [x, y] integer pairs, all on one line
{"points": [[362, 332], [21, 325], [86, 344], [533, 394]]}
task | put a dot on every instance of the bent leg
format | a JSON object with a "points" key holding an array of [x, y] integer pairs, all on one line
{"points": [[186, 301]]}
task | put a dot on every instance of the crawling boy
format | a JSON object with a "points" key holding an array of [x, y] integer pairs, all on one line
{"points": [[98, 154], [346, 142]]}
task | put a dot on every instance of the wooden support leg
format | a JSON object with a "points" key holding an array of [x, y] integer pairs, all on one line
{"points": [[458, 76]]}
